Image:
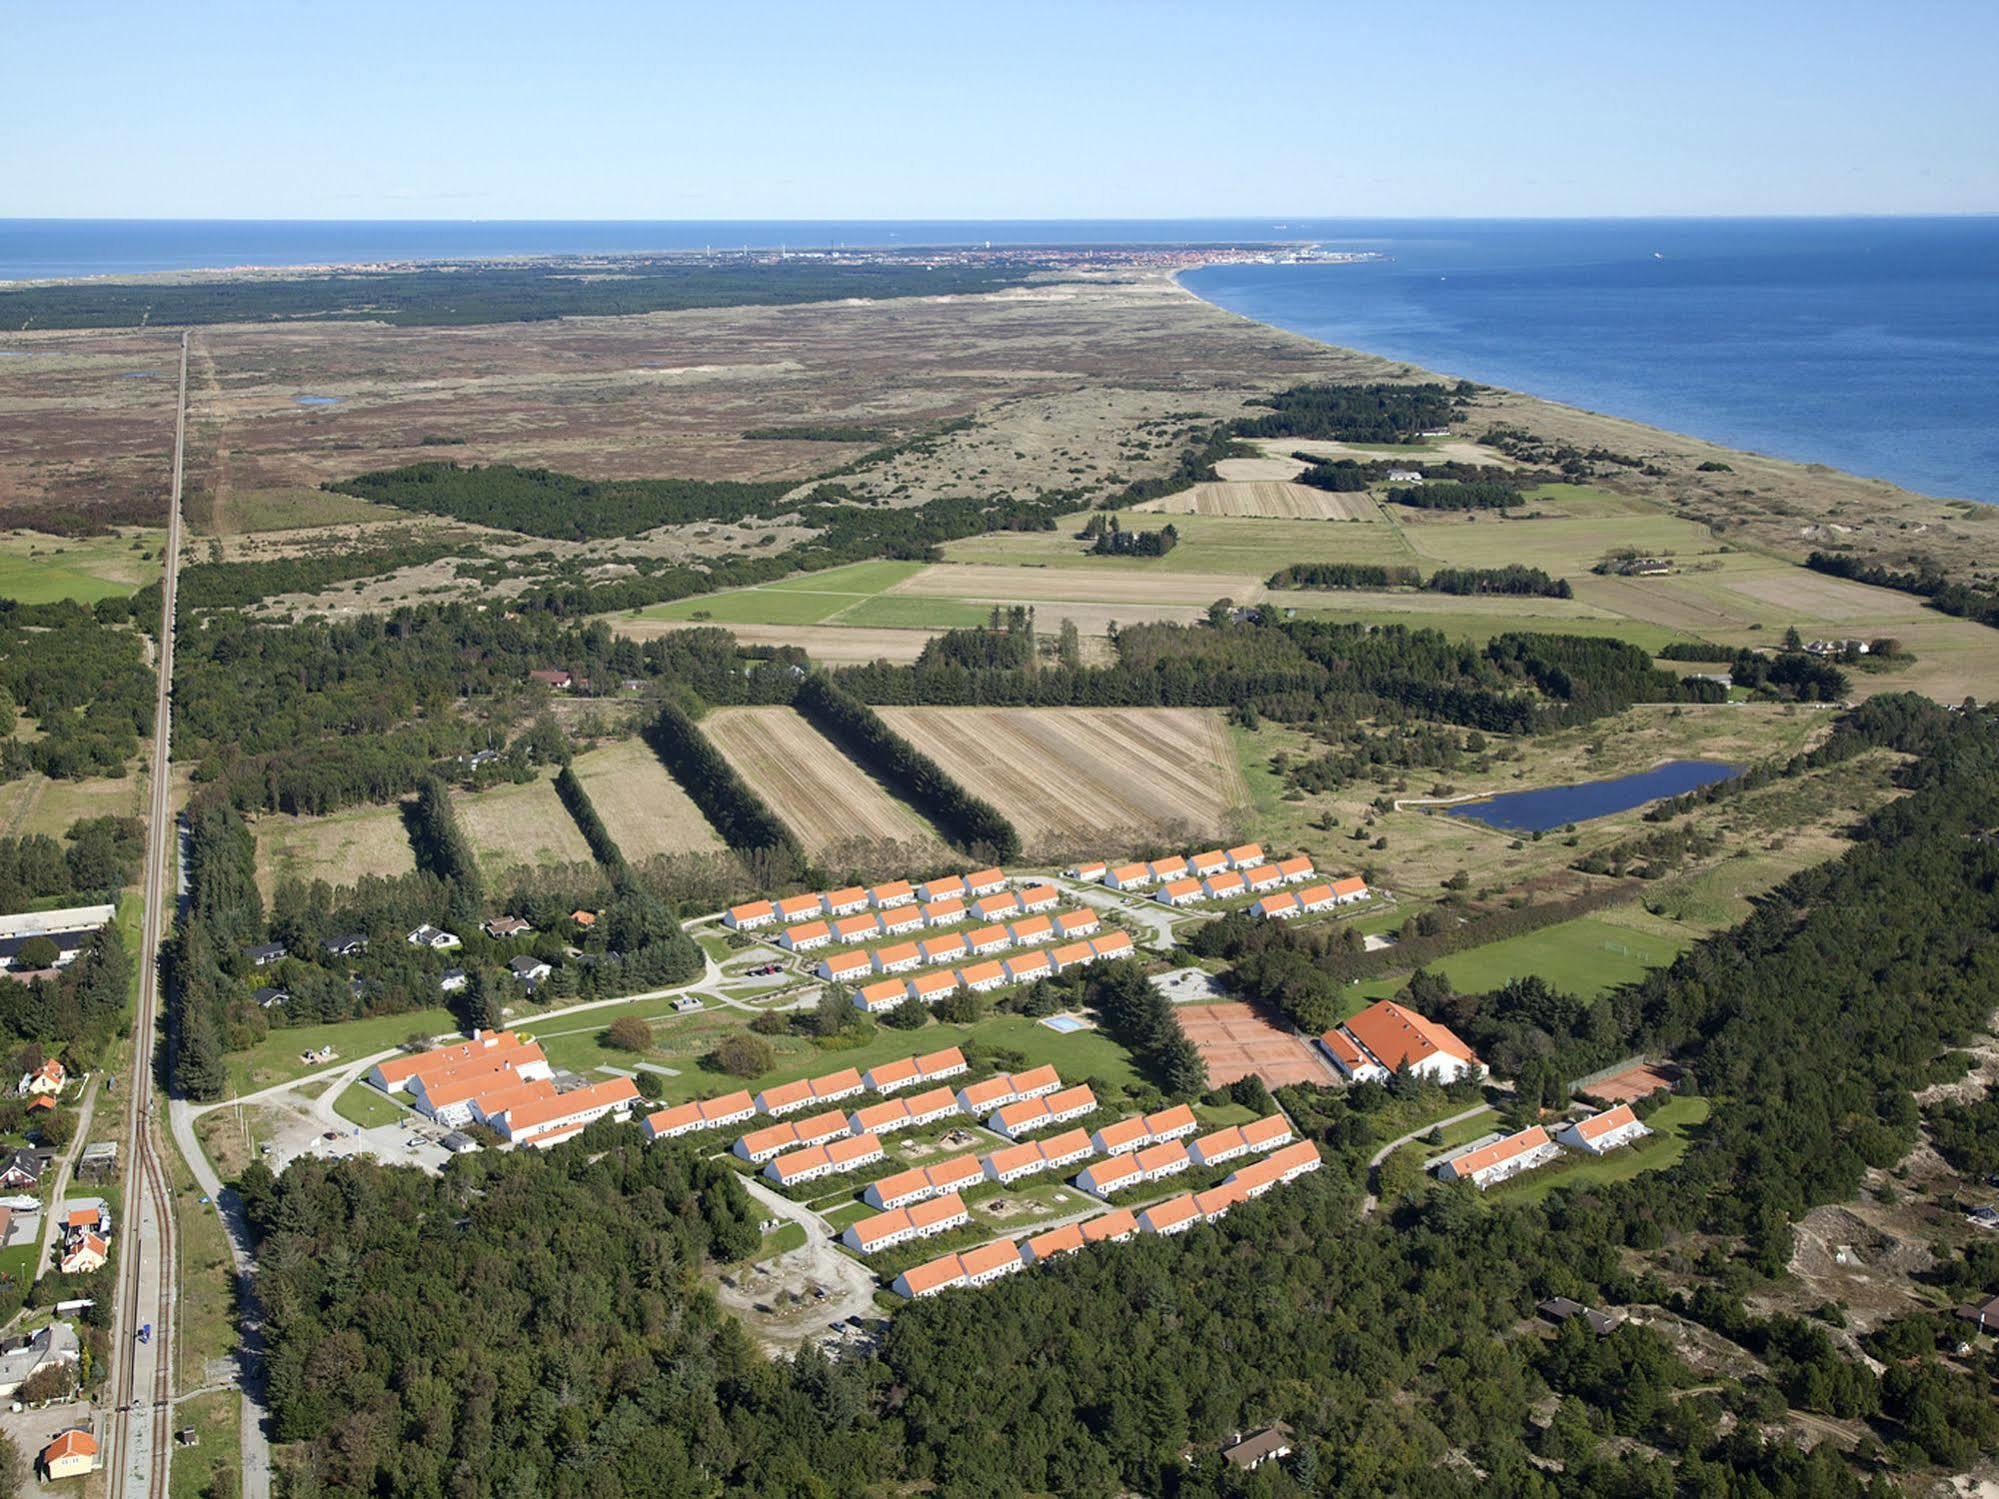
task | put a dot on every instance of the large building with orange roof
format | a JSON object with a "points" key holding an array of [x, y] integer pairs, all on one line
{"points": [[523, 1122], [1386, 1036]]}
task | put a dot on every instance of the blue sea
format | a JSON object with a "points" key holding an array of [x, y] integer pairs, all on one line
{"points": [[1871, 345]]}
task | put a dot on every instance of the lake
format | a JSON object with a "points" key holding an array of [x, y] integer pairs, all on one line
{"points": [[1551, 807]]}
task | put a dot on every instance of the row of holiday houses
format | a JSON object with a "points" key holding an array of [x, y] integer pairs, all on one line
{"points": [[1230, 874], [852, 900], [1500, 1160], [994, 973], [988, 1262]]}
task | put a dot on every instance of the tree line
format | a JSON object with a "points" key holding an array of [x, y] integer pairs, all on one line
{"points": [[1926, 580], [97, 856], [744, 819], [1512, 579], [969, 821]]}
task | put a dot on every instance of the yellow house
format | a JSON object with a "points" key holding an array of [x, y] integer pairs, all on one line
{"points": [[70, 1455]]}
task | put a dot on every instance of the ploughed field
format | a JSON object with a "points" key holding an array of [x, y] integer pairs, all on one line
{"points": [[644, 808], [524, 824], [1097, 781], [826, 800]]}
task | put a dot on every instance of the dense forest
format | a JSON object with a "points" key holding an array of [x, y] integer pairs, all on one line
{"points": [[1357, 413], [1510, 579], [541, 502], [1397, 1346], [81, 675], [470, 293], [91, 862]]}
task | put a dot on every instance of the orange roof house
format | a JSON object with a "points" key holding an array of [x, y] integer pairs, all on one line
{"points": [[1394, 1037]]}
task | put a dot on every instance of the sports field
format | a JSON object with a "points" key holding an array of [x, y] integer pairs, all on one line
{"points": [[641, 804], [524, 824], [1095, 781], [1237, 1040], [823, 797], [1586, 957], [337, 848]]}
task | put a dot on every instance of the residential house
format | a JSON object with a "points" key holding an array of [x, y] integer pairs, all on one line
{"points": [[529, 970], [943, 949], [881, 996], [992, 907], [73, 1454], [951, 888], [987, 939], [1175, 1215], [1560, 1309], [787, 1098], [1295, 870], [982, 977], [1279, 907], [85, 1253], [264, 954], [502, 928], [943, 913], [1350, 889], [805, 936], [1168, 869], [1226, 885], [834, 1158], [921, 1182], [894, 894], [448, 982], [706, 1113], [1315, 898], [928, 988], [1261, 877], [996, 1092], [398, 1073], [55, 1344], [1215, 1202], [567, 1113], [899, 958], [1090, 871], [850, 929], [548, 676], [1112, 1174], [900, 920], [984, 882], [1073, 924], [845, 967], [1489, 1165], [1040, 898], [905, 1072], [990, 1261], [747, 917], [23, 1170], [1245, 856], [1026, 967], [760, 1145], [46, 1080], [268, 998], [1602, 1133], [1201, 865], [434, 938], [1029, 1115], [846, 901], [1253, 1451], [903, 1113], [1057, 1241], [1031, 929], [1129, 877], [928, 1279], [1112, 945], [1030, 1158], [795, 908], [1072, 955], [1156, 1162], [346, 945], [1110, 1228], [920, 1220], [1184, 892]]}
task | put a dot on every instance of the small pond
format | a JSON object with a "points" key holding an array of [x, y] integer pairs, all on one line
{"points": [[1557, 806], [316, 400]]}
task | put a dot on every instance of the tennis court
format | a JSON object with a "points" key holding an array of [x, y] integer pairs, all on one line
{"points": [[1236, 1041]]}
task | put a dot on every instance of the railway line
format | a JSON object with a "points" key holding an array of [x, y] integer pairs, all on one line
{"points": [[138, 1447]]}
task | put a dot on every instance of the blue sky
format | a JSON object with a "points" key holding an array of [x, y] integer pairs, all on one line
{"points": [[438, 109]]}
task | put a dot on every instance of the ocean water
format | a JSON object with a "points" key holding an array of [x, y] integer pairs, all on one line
{"points": [[1548, 807], [1871, 345]]}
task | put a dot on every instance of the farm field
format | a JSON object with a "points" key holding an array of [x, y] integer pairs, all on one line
{"points": [[1264, 499], [38, 569], [823, 797], [287, 508], [1673, 1121], [524, 824], [802, 599], [1090, 780], [830, 645], [1209, 544], [336, 848], [1478, 620], [641, 804]]}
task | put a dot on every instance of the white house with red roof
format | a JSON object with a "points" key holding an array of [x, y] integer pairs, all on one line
{"points": [[1488, 1165], [1602, 1133], [1386, 1036]]}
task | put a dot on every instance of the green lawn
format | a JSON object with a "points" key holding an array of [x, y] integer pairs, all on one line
{"points": [[911, 612], [781, 1240], [854, 578], [217, 1418], [1208, 544], [360, 1104], [1672, 1122], [39, 569], [1586, 957], [848, 1213], [802, 599], [275, 1059]]}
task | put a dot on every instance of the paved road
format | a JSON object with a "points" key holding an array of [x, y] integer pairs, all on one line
{"points": [[51, 1217], [1370, 1202]]}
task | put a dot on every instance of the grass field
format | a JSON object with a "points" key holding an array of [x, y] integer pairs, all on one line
{"points": [[286, 509], [1090, 780], [1209, 544], [804, 599], [336, 848], [207, 1304], [1673, 1122], [36, 568], [1265, 499], [213, 1465], [524, 824], [36, 804], [641, 804], [823, 797], [275, 1059], [1585, 957], [367, 1107]]}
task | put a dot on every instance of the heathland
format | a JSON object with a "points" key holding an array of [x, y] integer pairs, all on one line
{"points": [[567, 633]]}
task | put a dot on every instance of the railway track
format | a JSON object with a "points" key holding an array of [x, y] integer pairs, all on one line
{"points": [[138, 1451]]}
